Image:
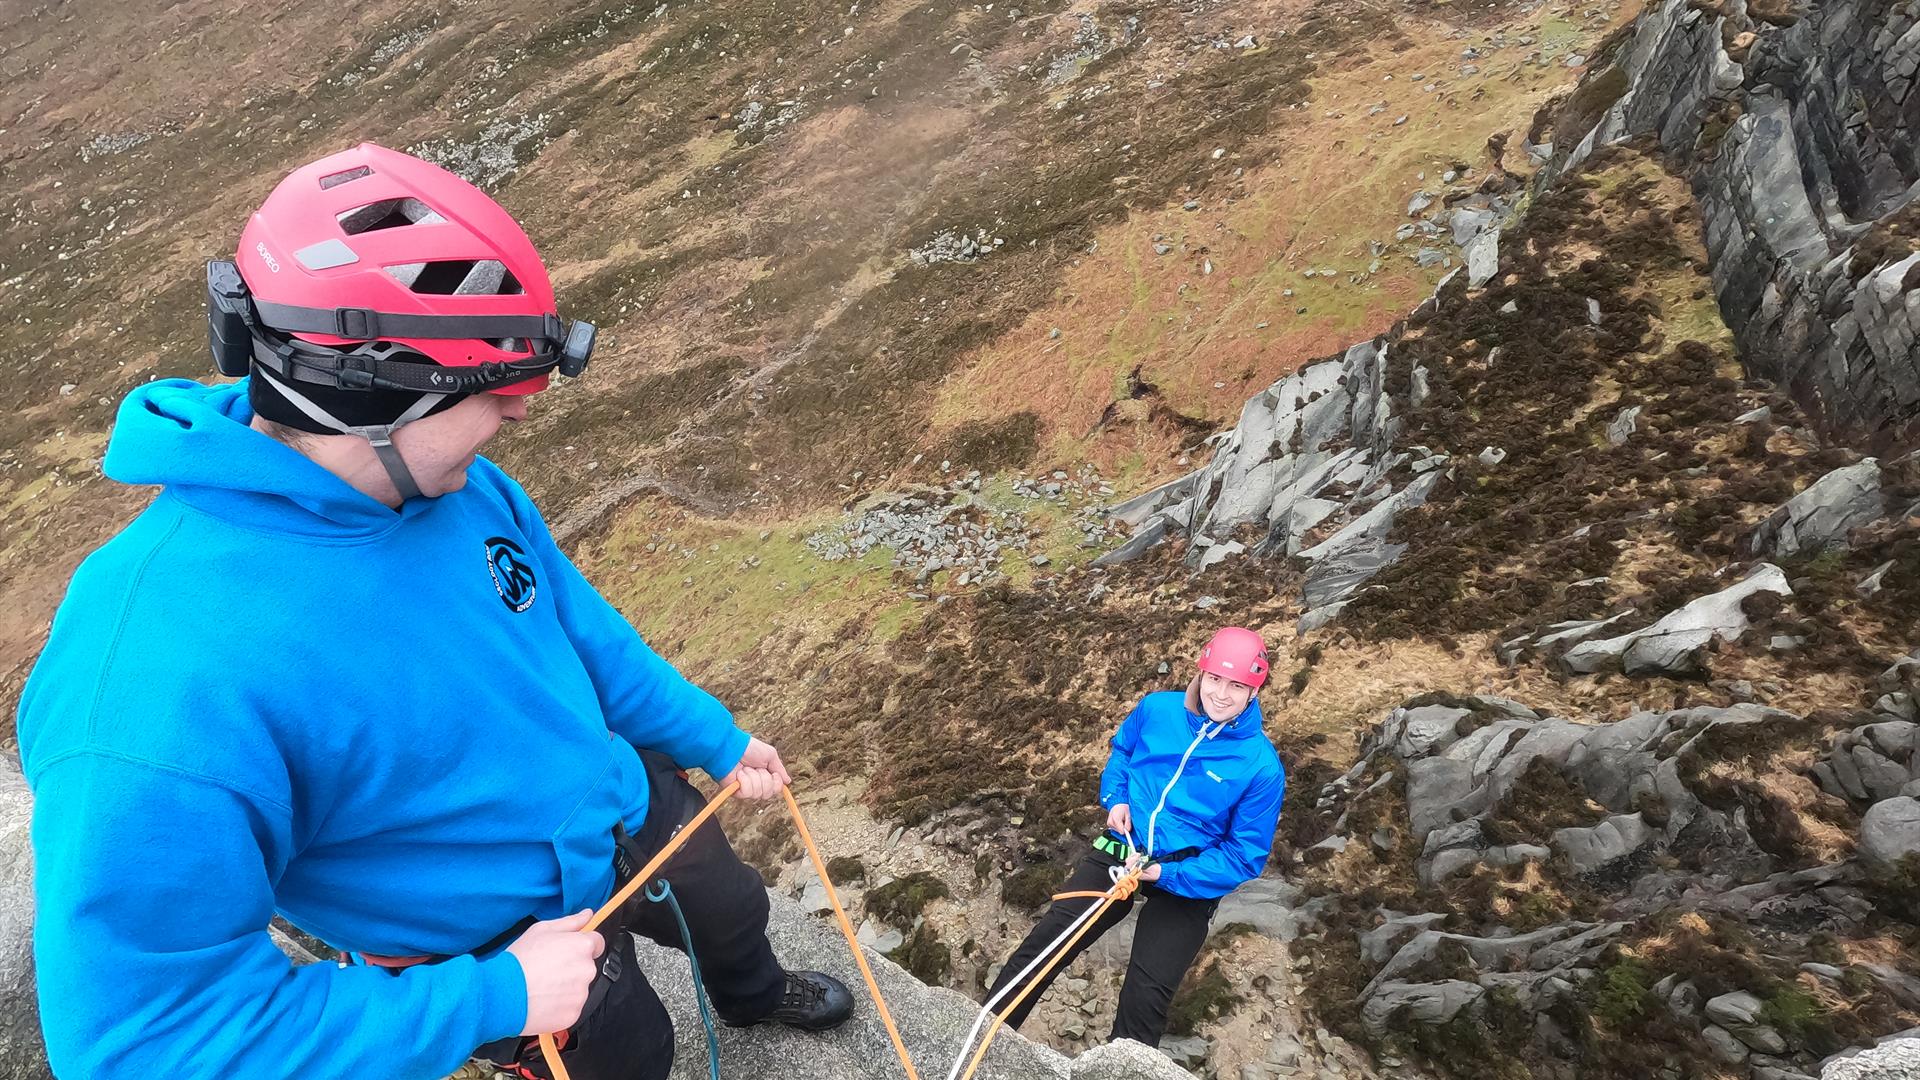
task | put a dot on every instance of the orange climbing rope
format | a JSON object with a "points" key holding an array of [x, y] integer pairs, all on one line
{"points": [[551, 1050], [1122, 888], [846, 928]]}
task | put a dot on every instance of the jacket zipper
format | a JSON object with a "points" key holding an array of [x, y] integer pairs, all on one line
{"points": [[1154, 818]]}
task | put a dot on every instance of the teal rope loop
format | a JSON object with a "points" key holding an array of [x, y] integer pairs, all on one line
{"points": [[665, 895]]}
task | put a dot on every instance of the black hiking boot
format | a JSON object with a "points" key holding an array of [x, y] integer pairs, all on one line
{"points": [[813, 1001]]}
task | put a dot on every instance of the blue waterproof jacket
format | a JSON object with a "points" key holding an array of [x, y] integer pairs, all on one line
{"points": [[1222, 785], [403, 730]]}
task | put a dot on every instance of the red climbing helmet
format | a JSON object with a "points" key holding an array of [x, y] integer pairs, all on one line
{"points": [[373, 289], [1236, 653], [363, 263]]}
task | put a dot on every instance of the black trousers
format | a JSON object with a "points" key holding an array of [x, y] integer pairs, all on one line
{"points": [[625, 1032], [1172, 928]]}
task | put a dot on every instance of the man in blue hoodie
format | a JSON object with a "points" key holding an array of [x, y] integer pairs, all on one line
{"points": [[1192, 791], [340, 671]]}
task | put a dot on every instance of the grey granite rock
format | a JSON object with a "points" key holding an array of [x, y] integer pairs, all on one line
{"points": [[1896, 1059], [932, 1021], [1890, 831], [1623, 425], [1592, 850], [1427, 729], [1483, 257], [1395, 1003], [1380, 943], [1821, 516], [21, 1048], [1125, 1059], [1740, 1014], [1725, 1045], [1672, 645], [1312, 461], [1824, 146], [1265, 903]]}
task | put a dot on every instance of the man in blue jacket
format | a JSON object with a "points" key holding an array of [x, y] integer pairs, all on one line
{"points": [[1192, 791], [339, 671]]}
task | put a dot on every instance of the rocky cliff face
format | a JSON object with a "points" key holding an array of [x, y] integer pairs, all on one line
{"points": [[1657, 877], [1797, 135], [1309, 459], [1797, 128]]}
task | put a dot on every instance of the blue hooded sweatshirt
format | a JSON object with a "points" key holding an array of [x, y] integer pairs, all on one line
{"points": [[402, 730], [1222, 785]]}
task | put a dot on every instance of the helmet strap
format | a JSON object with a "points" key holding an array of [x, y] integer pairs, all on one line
{"points": [[382, 439], [379, 436]]}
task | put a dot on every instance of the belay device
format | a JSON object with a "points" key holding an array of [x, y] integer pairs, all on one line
{"points": [[242, 330]]}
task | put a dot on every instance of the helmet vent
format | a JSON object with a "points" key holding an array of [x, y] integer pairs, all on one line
{"points": [[443, 278], [388, 214], [457, 277], [334, 180]]}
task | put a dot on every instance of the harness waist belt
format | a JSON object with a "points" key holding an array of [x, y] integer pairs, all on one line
{"points": [[1107, 843]]}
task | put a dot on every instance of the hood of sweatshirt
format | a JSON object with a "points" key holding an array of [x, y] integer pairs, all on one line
{"points": [[194, 440]]}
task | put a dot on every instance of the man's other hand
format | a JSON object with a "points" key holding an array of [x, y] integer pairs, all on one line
{"points": [[559, 959], [1120, 820], [760, 774]]}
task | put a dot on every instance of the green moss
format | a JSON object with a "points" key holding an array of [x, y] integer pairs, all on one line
{"points": [[846, 868], [1824, 565], [1030, 887], [1623, 994], [1807, 1022], [925, 956], [710, 590], [1798, 1015], [1205, 995], [900, 902]]}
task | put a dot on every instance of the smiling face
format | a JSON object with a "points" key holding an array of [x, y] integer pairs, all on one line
{"points": [[1222, 698]]}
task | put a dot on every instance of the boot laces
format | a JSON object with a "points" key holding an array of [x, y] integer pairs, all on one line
{"points": [[801, 994]]}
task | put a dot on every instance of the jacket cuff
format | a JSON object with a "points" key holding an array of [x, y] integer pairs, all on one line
{"points": [[732, 748], [1169, 878], [503, 997]]}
